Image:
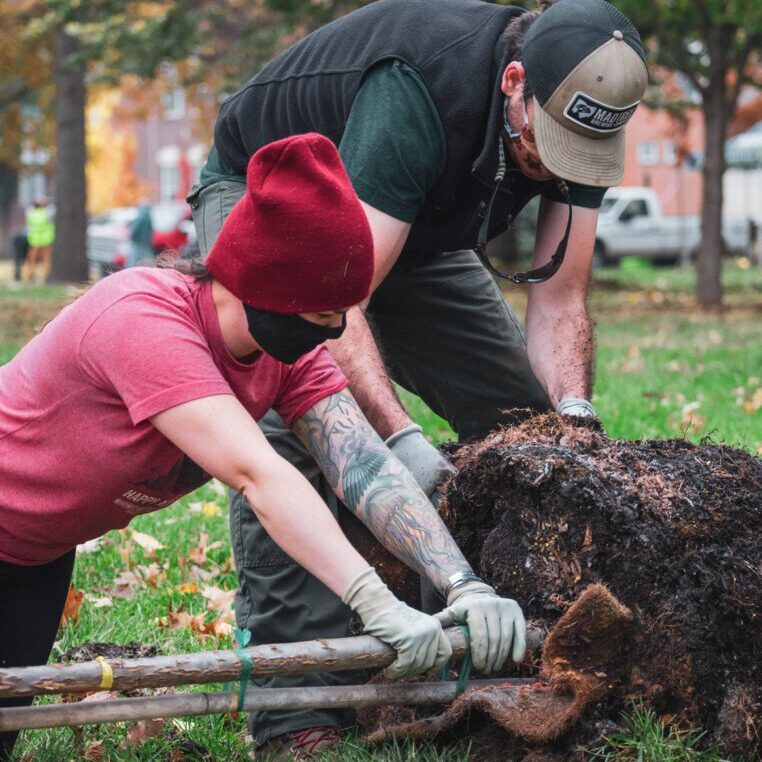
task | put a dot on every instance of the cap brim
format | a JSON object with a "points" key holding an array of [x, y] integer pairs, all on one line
{"points": [[589, 161]]}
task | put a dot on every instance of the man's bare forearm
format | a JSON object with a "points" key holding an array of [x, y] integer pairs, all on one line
{"points": [[358, 357], [561, 352], [377, 488]]}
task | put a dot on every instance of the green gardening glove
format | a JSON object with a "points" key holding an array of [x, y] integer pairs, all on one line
{"points": [[496, 624], [417, 638]]}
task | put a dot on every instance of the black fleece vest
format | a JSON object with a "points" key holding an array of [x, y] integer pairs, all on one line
{"points": [[453, 45]]}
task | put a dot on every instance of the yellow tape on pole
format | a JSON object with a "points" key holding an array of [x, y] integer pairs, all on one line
{"points": [[107, 677]]}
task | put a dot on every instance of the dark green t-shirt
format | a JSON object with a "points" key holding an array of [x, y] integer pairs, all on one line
{"points": [[393, 146]]}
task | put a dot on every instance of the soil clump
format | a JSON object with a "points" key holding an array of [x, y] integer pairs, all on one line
{"points": [[673, 530]]}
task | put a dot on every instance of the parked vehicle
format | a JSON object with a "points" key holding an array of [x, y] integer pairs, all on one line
{"points": [[108, 233], [631, 223]]}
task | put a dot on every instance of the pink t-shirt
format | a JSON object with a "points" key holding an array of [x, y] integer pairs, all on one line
{"points": [[78, 455]]}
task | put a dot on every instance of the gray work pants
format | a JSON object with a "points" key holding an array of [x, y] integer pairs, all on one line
{"points": [[447, 335]]}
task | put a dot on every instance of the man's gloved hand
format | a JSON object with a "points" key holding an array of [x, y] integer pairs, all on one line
{"points": [[576, 406], [496, 624], [427, 465], [418, 638]]}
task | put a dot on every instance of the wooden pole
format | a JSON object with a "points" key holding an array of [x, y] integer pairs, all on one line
{"points": [[257, 699], [329, 655]]}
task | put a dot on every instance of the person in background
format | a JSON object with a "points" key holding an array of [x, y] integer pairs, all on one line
{"points": [[20, 251], [141, 232], [151, 383], [41, 233]]}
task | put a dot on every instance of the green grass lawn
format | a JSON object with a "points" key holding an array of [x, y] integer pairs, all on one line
{"points": [[663, 370]]}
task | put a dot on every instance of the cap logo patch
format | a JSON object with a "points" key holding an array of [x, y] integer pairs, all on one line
{"points": [[594, 115]]}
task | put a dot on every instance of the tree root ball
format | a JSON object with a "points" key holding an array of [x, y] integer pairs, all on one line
{"points": [[672, 529]]}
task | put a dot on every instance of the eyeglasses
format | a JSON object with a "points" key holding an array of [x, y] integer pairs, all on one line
{"points": [[540, 274]]}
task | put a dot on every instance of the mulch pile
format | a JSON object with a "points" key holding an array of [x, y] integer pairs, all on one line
{"points": [[673, 530]]}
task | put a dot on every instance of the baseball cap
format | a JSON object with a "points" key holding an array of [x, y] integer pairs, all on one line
{"points": [[586, 66]]}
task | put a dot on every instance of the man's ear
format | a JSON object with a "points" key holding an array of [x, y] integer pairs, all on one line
{"points": [[513, 78]]}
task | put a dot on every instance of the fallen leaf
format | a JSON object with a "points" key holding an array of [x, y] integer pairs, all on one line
{"points": [[141, 731], [95, 751], [220, 628], [151, 544], [99, 603], [152, 574], [189, 587], [220, 601], [691, 419], [99, 696], [198, 555], [752, 403], [211, 510], [125, 585], [218, 487], [71, 607], [125, 551], [89, 547], [201, 574]]}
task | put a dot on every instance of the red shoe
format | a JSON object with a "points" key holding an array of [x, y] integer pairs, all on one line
{"points": [[301, 744]]}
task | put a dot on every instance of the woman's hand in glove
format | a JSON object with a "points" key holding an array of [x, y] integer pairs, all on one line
{"points": [[496, 624], [417, 638]]}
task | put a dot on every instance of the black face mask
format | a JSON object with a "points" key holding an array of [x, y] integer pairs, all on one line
{"points": [[288, 337]]}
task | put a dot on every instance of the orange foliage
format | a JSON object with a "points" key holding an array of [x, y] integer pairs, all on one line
{"points": [[112, 150]]}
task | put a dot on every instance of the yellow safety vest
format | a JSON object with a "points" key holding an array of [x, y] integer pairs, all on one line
{"points": [[40, 229]]}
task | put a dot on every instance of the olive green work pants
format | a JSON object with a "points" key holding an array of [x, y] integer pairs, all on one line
{"points": [[447, 335]]}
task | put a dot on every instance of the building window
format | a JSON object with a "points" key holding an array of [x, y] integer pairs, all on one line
{"points": [[174, 103], [647, 152], [169, 181], [32, 185], [669, 153]]}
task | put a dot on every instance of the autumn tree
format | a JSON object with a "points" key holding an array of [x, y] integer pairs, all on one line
{"points": [[25, 111], [715, 44], [215, 44]]}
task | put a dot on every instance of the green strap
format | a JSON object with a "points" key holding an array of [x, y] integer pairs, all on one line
{"points": [[465, 671], [243, 637]]}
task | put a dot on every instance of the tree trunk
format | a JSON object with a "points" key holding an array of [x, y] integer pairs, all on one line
{"points": [[8, 190], [710, 250], [70, 247]]}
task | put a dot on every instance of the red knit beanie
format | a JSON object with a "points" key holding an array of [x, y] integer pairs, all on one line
{"points": [[298, 240]]}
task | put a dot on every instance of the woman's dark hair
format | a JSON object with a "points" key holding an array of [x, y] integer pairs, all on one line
{"points": [[513, 37], [194, 266]]}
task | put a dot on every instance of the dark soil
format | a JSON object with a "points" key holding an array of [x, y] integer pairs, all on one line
{"points": [[91, 651], [674, 530]]}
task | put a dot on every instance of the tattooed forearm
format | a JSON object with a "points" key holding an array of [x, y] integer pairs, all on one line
{"points": [[378, 489]]}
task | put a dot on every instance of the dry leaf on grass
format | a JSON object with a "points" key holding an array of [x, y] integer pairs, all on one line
{"points": [[95, 751], [126, 549], [125, 585], [71, 607], [152, 574], [218, 487], [147, 542], [99, 603], [198, 555], [180, 619], [211, 509], [220, 601], [141, 731], [99, 696]]}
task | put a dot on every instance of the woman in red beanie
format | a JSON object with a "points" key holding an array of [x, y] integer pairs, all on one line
{"points": [[152, 382]]}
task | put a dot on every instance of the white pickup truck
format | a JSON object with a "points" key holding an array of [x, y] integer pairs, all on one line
{"points": [[631, 223]]}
